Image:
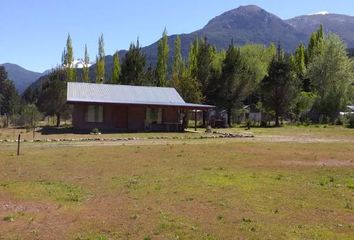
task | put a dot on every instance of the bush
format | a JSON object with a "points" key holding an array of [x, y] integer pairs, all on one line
{"points": [[95, 131], [29, 116], [350, 120]]}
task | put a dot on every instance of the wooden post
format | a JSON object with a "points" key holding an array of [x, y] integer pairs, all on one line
{"points": [[195, 120], [18, 144]]}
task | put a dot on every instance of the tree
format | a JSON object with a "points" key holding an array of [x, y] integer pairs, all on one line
{"points": [[177, 68], [85, 68], [52, 99], [193, 58], [331, 73], [240, 75], [298, 62], [100, 61], [205, 55], [280, 88], [29, 115], [133, 66], [189, 87], [116, 69], [315, 45], [9, 97], [68, 62], [162, 61], [3, 78]]}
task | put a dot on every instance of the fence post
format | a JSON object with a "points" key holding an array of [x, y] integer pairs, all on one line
{"points": [[18, 144]]}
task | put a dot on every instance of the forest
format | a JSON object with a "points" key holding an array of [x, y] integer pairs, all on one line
{"points": [[311, 85]]}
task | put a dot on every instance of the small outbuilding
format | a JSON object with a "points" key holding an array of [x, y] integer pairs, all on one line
{"points": [[111, 107]]}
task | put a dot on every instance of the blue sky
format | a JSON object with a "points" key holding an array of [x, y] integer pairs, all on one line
{"points": [[34, 32]]}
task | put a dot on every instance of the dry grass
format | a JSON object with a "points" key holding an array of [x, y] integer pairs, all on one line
{"points": [[207, 189]]}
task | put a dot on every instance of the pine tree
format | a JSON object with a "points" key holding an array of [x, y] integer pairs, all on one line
{"points": [[85, 69], [162, 61], [116, 69], [280, 88], [100, 61], [9, 97], [133, 66], [178, 63]]}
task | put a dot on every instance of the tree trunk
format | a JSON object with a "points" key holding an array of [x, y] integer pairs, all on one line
{"points": [[58, 119], [277, 119], [229, 110]]}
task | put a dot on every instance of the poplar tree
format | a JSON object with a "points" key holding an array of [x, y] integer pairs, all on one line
{"points": [[189, 87], [116, 69], [85, 69], [298, 62], [332, 74], [193, 58], [100, 61], [68, 62], [162, 61], [315, 45], [177, 68], [205, 55]]}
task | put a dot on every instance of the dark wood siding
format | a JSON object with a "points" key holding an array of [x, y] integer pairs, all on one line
{"points": [[120, 117], [170, 115], [136, 118]]}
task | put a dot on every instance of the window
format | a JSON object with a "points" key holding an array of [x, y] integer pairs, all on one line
{"points": [[94, 113], [153, 115]]}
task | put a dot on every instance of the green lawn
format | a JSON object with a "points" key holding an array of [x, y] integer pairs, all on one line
{"points": [[205, 189]]}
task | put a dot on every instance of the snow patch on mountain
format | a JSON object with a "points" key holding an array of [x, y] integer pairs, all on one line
{"points": [[319, 13]]}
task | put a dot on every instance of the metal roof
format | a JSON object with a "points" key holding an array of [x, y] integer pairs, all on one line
{"points": [[125, 94]]}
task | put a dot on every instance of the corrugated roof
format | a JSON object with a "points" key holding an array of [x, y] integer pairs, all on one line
{"points": [[125, 94]]}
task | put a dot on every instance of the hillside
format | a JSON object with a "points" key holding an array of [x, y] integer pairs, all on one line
{"points": [[342, 25], [21, 77]]}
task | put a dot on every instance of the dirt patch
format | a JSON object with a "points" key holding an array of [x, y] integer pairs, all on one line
{"points": [[33, 220], [326, 162]]}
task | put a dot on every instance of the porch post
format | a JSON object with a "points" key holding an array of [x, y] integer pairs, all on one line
{"points": [[195, 120]]}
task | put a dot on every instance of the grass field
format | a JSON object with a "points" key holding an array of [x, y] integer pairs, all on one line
{"points": [[288, 183]]}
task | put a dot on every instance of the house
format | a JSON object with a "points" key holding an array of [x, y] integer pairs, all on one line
{"points": [[128, 108]]}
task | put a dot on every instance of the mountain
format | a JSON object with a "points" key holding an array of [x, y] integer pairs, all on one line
{"points": [[251, 24], [342, 25], [243, 25], [21, 77]]}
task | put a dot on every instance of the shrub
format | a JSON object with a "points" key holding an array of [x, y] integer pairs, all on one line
{"points": [[95, 131], [350, 123]]}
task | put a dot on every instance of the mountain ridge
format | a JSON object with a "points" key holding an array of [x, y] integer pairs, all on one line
{"points": [[21, 77], [251, 24]]}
